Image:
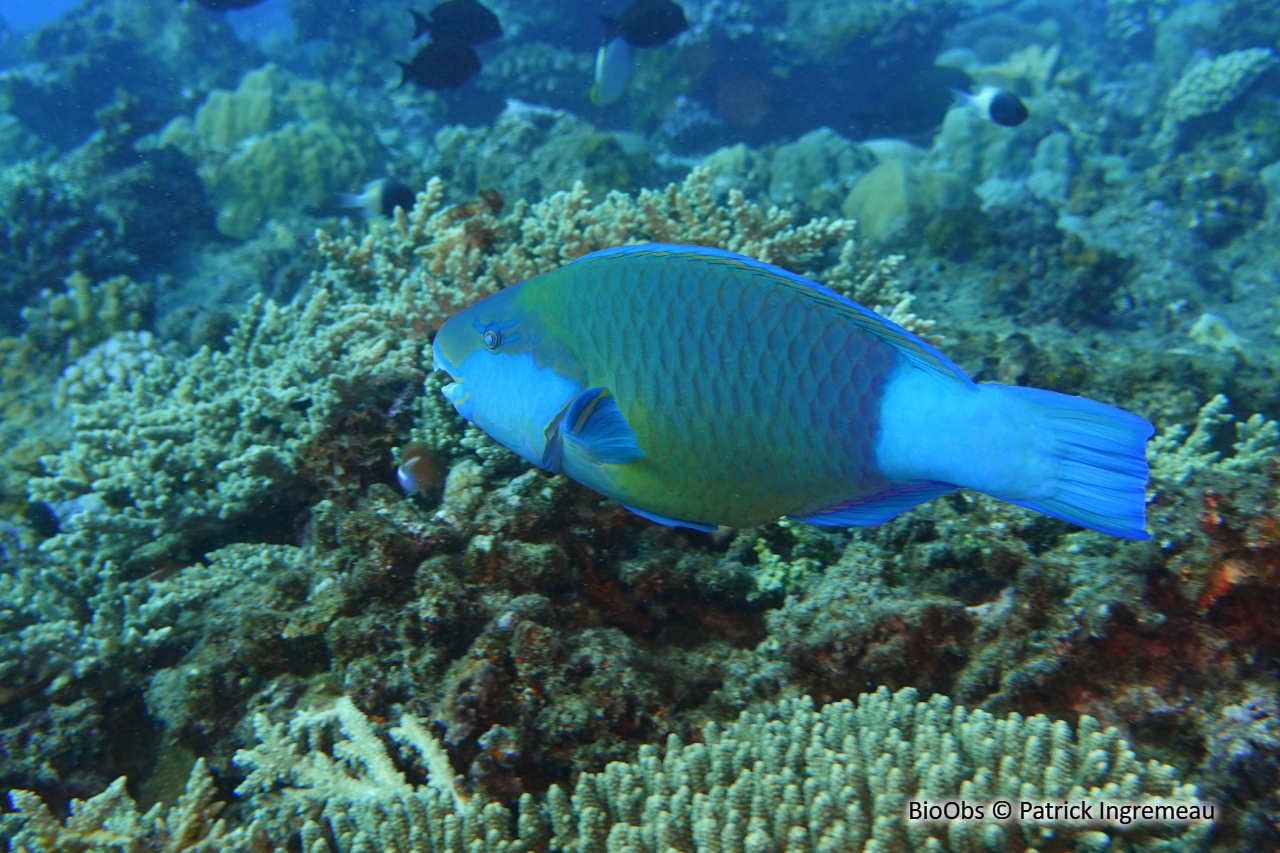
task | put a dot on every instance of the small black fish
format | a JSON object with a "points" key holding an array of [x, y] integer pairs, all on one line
{"points": [[647, 23], [463, 21], [441, 65], [222, 5]]}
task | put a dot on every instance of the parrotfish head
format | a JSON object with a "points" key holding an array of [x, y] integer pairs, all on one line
{"points": [[508, 372]]}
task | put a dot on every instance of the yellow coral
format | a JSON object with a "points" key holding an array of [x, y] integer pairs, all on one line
{"points": [[86, 313], [896, 194], [270, 147], [1027, 70]]}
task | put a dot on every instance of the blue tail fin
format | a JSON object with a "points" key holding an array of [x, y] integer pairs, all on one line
{"points": [[1101, 462]]}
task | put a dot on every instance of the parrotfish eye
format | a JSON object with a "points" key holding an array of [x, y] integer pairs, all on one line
{"points": [[492, 339]]}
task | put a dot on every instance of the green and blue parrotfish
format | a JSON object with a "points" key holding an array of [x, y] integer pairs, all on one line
{"points": [[702, 388]]}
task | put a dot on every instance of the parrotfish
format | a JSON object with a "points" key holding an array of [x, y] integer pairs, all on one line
{"points": [[701, 388]]}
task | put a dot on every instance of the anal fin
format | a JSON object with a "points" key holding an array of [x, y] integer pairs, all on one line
{"points": [[879, 509]]}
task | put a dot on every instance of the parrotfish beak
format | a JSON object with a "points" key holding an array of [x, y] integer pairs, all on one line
{"points": [[453, 392], [439, 362]]}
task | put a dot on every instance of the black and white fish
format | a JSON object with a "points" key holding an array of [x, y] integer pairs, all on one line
{"points": [[996, 105], [376, 200]]}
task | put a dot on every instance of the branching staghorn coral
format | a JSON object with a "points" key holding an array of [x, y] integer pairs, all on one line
{"points": [[787, 778], [1179, 452], [111, 821], [86, 312], [453, 256], [169, 452]]}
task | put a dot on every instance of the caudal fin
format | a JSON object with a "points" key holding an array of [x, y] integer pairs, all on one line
{"points": [[1099, 455]]}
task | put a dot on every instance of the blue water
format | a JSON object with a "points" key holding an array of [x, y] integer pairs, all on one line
{"points": [[24, 15]]}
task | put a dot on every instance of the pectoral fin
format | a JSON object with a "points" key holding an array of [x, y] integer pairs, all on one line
{"points": [[593, 427]]}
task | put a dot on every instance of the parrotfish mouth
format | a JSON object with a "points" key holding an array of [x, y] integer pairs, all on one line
{"points": [[453, 392]]}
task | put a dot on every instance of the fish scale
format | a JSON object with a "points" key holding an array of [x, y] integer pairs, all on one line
{"points": [[722, 426]]}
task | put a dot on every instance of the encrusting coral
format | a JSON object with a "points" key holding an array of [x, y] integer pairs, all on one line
{"points": [[787, 777]]}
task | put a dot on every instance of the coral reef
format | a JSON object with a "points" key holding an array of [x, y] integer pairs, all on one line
{"points": [[532, 152], [837, 778], [86, 313], [816, 170], [111, 820], [169, 451], [896, 197], [1130, 21], [272, 146], [100, 210], [280, 436], [83, 61], [1209, 86], [207, 571], [826, 30]]}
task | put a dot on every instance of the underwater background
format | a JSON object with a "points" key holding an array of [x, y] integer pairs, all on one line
{"points": [[226, 625]]}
